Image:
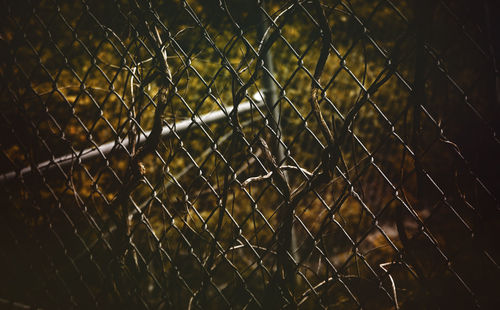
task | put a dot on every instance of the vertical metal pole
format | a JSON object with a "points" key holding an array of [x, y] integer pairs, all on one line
{"points": [[271, 100], [270, 91]]}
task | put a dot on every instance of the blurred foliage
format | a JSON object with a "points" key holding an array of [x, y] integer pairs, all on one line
{"points": [[74, 76]]}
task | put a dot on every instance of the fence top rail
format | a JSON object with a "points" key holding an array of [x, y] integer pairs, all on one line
{"points": [[106, 148]]}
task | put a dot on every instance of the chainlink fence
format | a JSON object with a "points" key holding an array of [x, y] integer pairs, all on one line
{"points": [[249, 154]]}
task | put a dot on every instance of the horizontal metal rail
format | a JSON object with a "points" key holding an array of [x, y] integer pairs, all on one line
{"points": [[106, 148]]}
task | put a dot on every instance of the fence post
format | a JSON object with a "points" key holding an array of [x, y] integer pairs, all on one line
{"points": [[271, 101], [270, 92]]}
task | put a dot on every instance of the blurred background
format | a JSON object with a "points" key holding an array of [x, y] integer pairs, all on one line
{"points": [[378, 187]]}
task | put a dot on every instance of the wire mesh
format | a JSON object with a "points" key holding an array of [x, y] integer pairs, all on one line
{"points": [[249, 154]]}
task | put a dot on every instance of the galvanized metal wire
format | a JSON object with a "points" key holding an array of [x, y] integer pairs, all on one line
{"points": [[249, 154]]}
